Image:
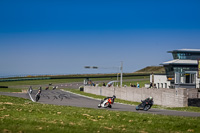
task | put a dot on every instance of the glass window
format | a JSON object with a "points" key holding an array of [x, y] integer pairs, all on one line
{"points": [[186, 55], [175, 55]]}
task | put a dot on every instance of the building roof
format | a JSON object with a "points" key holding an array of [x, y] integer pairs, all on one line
{"points": [[181, 62], [186, 50]]}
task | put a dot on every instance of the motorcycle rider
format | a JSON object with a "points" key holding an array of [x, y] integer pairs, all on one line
{"points": [[30, 90], [146, 104], [37, 96], [111, 100], [149, 100]]}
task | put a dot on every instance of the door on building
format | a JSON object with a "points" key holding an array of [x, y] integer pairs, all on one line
{"points": [[187, 78], [190, 78]]}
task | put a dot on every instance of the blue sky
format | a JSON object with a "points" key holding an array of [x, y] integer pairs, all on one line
{"points": [[61, 37]]}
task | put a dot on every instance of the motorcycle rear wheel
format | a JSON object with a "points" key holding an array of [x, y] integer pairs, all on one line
{"points": [[99, 105]]}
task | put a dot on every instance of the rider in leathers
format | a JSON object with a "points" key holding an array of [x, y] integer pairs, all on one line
{"points": [[108, 99]]}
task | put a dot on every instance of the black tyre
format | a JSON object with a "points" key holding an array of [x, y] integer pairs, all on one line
{"points": [[37, 98], [137, 107], [99, 106], [147, 107]]}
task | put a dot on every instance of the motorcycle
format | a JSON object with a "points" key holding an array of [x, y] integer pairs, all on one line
{"points": [[37, 97], [145, 105], [106, 102]]}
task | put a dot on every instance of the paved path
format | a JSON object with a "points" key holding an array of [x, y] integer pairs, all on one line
{"points": [[59, 97]]}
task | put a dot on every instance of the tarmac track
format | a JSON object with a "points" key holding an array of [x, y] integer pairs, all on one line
{"points": [[58, 97]]}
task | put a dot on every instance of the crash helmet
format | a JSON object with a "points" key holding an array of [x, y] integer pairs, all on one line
{"points": [[114, 96], [151, 98]]}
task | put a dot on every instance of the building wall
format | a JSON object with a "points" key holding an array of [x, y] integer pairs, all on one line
{"points": [[165, 97], [192, 93], [197, 81], [160, 81]]}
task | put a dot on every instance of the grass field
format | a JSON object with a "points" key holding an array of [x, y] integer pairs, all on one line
{"points": [[10, 90], [19, 115], [63, 80], [26, 83], [39, 82]]}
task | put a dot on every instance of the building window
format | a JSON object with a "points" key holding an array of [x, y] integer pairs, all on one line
{"points": [[165, 85]]}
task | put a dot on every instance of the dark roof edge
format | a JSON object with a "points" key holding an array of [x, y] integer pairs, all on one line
{"points": [[185, 50]]}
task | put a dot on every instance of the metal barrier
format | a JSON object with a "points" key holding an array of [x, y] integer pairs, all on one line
{"points": [[22, 79]]}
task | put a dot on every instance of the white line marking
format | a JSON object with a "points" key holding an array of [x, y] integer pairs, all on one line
{"points": [[31, 96]]}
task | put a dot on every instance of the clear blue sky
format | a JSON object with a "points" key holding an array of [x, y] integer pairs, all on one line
{"points": [[61, 37]]}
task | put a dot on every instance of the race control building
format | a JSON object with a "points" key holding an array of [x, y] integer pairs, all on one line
{"points": [[181, 72]]}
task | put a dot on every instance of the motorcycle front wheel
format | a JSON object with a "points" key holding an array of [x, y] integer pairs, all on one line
{"points": [[37, 98], [147, 107], [110, 106], [137, 108]]}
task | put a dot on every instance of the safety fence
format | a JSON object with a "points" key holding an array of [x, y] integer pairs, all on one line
{"points": [[22, 79]]}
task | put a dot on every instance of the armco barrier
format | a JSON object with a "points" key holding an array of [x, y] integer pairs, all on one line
{"points": [[22, 79], [165, 97], [3, 86]]}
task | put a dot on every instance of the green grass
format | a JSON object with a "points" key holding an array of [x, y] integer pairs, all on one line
{"points": [[127, 83], [56, 81], [39, 82], [21, 115], [142, 83], [150, 69], [10, 90]]}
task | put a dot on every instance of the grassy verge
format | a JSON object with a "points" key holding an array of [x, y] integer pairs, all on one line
{"points": [[57, 81], [21, 115], [190, 109], [39, 82], [142, 83], [127, 83], [10, 90]]}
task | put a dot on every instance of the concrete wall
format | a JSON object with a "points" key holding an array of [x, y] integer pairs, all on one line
{"points": [[165, 97], [192, 93]]}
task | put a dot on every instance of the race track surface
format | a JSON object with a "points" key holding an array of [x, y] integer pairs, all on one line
{"points": [[58, 97]]}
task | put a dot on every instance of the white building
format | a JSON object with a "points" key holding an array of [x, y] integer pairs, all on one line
{"points": [[182, 72]]}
